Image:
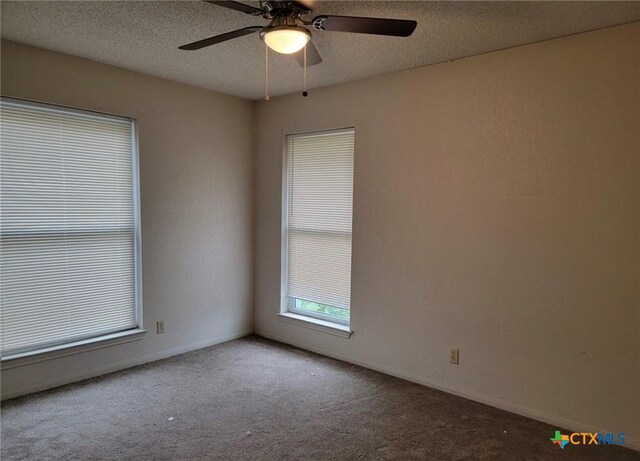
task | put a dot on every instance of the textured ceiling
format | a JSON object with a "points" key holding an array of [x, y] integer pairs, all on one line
{"points": [[145, 35]]}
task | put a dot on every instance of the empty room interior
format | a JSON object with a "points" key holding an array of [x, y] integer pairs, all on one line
{"points": [[320, 230]]}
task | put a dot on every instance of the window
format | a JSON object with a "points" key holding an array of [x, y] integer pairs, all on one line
{"points": [[317, 225], [69, 234]]}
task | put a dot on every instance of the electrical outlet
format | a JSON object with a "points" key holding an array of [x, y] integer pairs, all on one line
{"points": [[454, 356], [160, 326]]}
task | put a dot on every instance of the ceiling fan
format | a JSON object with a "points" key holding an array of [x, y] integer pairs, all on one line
{"points": [[287, 34]]}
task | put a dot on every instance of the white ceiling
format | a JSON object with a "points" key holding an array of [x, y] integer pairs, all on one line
{"points": [[145, 35]]}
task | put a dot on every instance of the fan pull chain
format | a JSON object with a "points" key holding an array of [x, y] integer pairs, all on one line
{"points": [[304, 72], [266, 73]]}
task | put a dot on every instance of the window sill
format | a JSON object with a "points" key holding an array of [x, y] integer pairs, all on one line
{"points": [[77, 347], [316, 324]]}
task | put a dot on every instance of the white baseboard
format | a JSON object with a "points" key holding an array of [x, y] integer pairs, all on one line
{"points": [[557, 421], [127, 364]]}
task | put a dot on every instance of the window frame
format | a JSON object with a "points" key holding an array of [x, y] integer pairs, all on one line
{"points": [[111, 337], [318, 315], [287, 303]]}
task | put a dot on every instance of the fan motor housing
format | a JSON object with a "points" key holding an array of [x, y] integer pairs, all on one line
{"points": [[283, 9]]}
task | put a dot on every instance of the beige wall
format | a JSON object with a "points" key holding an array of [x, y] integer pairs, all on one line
{"points": [[196, 195], [497, 210]]}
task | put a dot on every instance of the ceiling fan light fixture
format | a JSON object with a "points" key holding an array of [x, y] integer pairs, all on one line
{"points": [[287, 39]]}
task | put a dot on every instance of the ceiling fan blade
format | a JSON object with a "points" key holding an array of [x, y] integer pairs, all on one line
{"points": [[311, 4], [303, 6], [237, 6], [220, 38], [378, 26], [313, 57]]}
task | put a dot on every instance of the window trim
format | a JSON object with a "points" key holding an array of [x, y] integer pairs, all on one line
{"points": [[287, 311], [76, 347], [110, 338], [312, 323]]}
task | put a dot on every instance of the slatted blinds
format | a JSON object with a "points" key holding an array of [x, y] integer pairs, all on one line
{"points": [[67, 226], [319, 215]]}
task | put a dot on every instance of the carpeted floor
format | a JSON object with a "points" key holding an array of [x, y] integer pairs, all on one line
{"points": [[253, 399]]}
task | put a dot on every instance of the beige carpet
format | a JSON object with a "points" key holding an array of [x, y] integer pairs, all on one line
{"points": [[253, 399]]}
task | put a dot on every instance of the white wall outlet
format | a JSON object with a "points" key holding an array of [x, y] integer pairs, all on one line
{"points": [[454, 356], [160, 326]]}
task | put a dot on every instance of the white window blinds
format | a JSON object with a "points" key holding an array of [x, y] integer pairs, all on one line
{"points": [[319, 215], [67, 226]]}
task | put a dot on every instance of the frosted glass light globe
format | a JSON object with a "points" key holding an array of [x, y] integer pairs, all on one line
{"points": [[287, 40]]}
